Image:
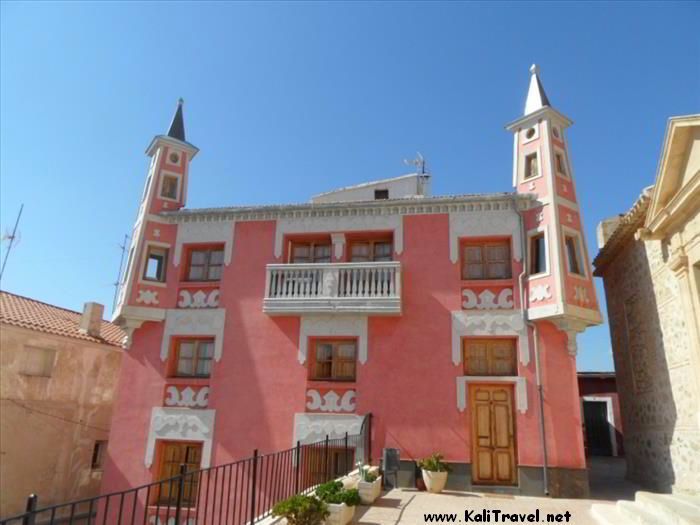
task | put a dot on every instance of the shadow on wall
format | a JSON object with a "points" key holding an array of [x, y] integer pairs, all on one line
{"points": [[646, 400]]}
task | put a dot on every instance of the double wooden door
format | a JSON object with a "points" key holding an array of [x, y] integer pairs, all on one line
{"points": [[493, 434]]}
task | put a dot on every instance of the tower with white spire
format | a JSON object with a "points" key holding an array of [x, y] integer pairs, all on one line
{"points": [[559, 283]]}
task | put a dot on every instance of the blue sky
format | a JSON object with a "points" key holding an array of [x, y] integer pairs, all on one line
{"points": [[289, 99]]}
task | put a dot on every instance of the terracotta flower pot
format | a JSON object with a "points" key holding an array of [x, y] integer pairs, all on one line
{"points": [[434, 481]]}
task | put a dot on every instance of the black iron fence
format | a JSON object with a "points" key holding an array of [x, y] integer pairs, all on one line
{"points": [[237, 493]]}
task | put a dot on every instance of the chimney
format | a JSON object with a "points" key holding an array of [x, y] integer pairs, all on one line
{"points": [[91, 320]]}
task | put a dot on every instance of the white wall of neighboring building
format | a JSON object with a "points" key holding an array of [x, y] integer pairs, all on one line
{"points": [[406, 186]]}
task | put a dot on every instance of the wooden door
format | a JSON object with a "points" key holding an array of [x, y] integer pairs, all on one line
{"points": [[493, 435]]}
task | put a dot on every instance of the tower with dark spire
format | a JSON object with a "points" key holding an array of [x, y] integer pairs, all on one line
{"points": [[177, 126], [559, 281]]}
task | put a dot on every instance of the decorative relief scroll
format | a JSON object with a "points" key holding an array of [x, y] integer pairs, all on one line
{"points": [[147, 297], [540, 292], [181, 424], [205, 321], [470, 323], [330, 401], [487, 300], [198, 299], [310, 428], [191, 397], [581, 295]]}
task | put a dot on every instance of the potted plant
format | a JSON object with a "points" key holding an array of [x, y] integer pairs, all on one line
{"points": [[370, 484], [341, 502], [434, 471], [301, 510]]}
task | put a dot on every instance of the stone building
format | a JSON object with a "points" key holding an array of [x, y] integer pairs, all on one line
{"points": [[58, 375], [650, 263]]}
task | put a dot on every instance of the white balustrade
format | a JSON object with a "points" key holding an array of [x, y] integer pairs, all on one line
{"points": [[333, 287]]}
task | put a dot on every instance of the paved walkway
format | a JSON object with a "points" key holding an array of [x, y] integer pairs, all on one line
{"points": [[409, 506]]}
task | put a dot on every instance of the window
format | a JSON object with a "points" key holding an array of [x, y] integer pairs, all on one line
{"points": [[38, 361], [560, 165], [172, 455], [381, 195], [335, 361], [538, 254], [530, 133], [365, 251], [486, 260], [98, 453], [573, 253], [168, 188], [193, 357], [310, 252], [156, 262], [531, 166], [489, 357], [205, 264]]}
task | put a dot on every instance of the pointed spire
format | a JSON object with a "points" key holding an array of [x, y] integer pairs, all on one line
{"points": [[536, 97], [177, 126]]}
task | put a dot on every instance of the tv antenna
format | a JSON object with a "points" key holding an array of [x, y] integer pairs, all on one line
{"points": [[419, 162], [12, 237], [123, 246]]}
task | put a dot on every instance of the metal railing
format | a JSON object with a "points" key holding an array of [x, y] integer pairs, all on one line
{"points": [[237, 493]]}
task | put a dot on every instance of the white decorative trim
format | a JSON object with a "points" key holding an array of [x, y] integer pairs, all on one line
{"points": [[581, 294], [331, 401], [198, 299], [484, 223], [333, 325], [187, 397], [208, 321], [610, 416], [181, 424], [520, 389], [344, 223], [338, 240], [571, 327], [487, 300], [540, 292], [205, 232], [465, 324], [310, 428], [147, 297]]}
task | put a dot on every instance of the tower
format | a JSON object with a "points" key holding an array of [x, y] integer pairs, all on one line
{"points": [[559, 283], [152, 239]]}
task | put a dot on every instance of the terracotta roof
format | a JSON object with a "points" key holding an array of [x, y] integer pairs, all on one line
{"points": [[35, 315]]}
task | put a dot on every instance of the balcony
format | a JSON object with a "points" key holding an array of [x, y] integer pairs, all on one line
{"points": [[372, 288]]}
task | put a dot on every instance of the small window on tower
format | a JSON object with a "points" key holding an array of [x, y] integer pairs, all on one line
{"points": [[381, 195], [156, 262], [530, 133], [531, 166], [98, 455], [538, 255], [169, 187], [174, 158], [555, 132], [573, 252], [559, 161]]}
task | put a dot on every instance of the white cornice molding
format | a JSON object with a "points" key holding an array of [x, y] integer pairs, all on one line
{"points": [[427, 205]]}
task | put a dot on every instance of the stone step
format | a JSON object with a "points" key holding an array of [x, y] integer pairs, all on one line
{"points": [[609, 515], [693, 501], [639, 515], [672, 509]]}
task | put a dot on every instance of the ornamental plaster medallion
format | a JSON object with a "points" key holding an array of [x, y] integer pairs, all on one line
{"points": [[540, 292], [156, 233], [310, 428], [206, 321], [333, 325], [470, 323], [187, 397], [199, 299], [484, 223], [181, 424], [331, 401], [147, 297], [581, 294], [487, 300], [205, 232]]}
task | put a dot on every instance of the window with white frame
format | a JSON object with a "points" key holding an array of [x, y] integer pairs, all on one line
{"points": [[538, 253], [156, 264], [560, 163], [169, 187], [532, 168], [574, 255]]}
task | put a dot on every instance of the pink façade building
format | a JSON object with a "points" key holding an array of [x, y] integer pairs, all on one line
{"points": [[452, 320]]}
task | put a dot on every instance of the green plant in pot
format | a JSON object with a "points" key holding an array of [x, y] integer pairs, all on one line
{"points": [[302, 510], [341, 502], [434, 471], [370, 484]]}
